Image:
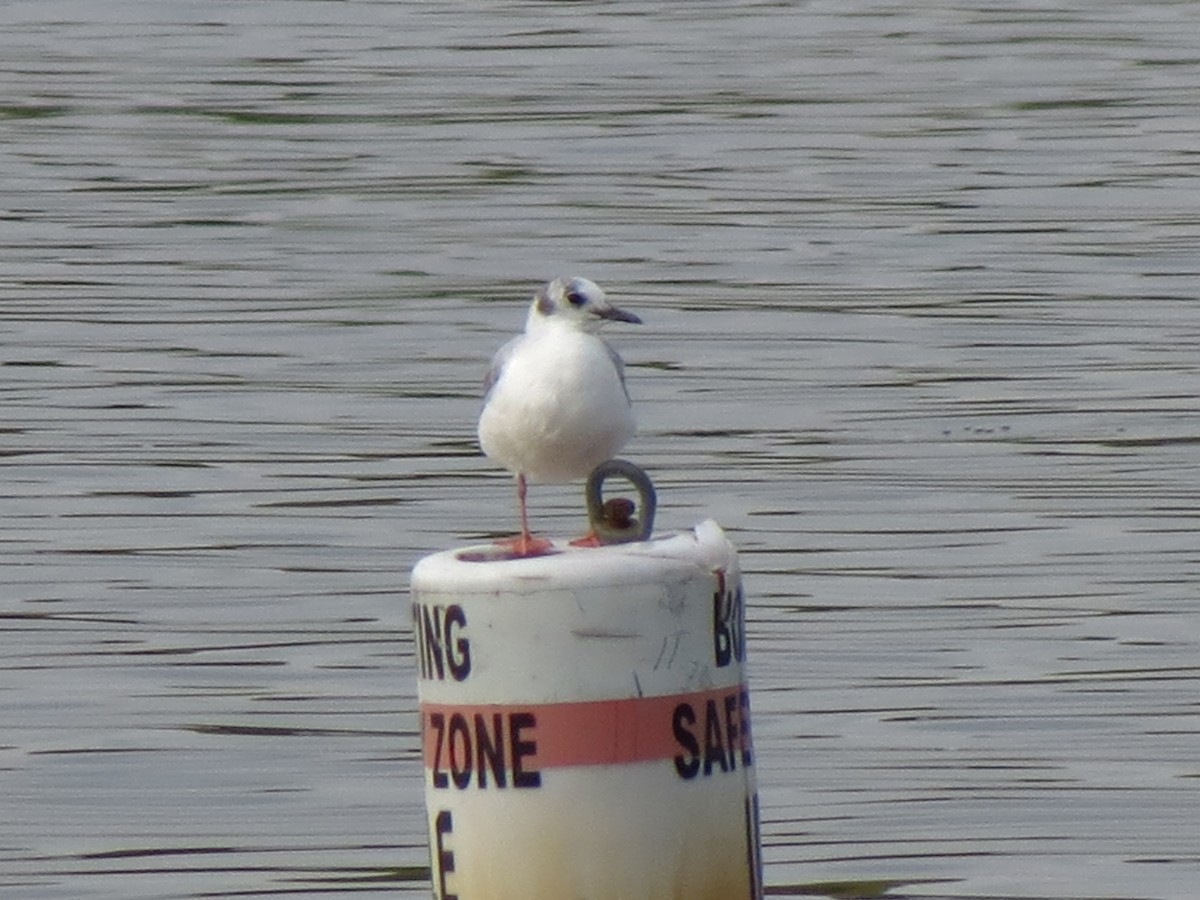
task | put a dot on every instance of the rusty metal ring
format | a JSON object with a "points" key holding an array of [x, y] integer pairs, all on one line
{"points": [[614, 522]]}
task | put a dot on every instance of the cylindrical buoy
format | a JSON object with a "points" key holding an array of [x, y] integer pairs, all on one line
{"points": [[585, 722]]}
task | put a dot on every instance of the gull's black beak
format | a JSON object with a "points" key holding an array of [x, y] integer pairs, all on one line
{"points": [[617, 315]]}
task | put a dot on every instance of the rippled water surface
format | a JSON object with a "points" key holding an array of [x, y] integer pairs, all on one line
{"points": [[920, 285]]}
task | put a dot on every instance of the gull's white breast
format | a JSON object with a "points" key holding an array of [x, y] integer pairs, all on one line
{"points": [[559, 407]]}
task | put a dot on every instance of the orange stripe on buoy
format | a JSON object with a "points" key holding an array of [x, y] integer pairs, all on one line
{"points": [[591, 733]]}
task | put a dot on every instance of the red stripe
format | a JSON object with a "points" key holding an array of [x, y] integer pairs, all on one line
{"points": [[591, 733]]}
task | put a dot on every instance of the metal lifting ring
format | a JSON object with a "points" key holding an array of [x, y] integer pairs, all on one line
{"points": [[613, 520]]}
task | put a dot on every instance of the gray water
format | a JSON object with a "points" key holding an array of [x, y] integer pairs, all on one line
{"points": [[920, 285]]}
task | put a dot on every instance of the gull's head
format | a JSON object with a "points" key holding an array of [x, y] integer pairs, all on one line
{"points": [[576, 302]]}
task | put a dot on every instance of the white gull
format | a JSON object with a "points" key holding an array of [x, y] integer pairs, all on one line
{"points": [[556, 404]]}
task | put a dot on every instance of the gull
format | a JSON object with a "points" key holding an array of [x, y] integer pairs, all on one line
{"points": [[555, 404]]}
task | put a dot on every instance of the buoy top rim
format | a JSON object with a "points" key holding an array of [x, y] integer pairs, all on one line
{"points": [[482, 566]]}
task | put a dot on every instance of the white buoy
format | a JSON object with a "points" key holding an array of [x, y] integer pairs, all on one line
{"points": [[586, 722]]}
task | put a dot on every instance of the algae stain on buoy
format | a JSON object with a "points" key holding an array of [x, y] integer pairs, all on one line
{"points": [[586, 722]]}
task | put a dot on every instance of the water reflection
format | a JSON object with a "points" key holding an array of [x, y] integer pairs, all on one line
{"points": [[918, 285]]}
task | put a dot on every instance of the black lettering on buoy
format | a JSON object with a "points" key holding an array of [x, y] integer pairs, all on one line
{"points": [[726, 728], [732, 728], [460, 765], [467, 746], [458, 648], [490, 748], [744, 719], [430, 640], [443, 859], [441, 645], [687, 764], [522, 778], [753, 846], [729, 631], [437, 722], [714, 745]]}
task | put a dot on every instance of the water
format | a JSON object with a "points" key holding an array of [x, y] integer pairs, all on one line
{"points": [[919, 286]]}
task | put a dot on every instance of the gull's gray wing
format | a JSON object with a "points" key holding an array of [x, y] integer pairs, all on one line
{"points": [[498, 362], [619, 365]]}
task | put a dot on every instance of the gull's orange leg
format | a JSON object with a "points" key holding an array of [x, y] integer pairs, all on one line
{"points": [[526, 544]]}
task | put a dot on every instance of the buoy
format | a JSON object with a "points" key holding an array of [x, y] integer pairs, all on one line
{"points": [[585, 722]]}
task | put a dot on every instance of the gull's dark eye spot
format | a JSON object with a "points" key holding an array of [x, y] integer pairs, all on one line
{"points": [[576, 298]]}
